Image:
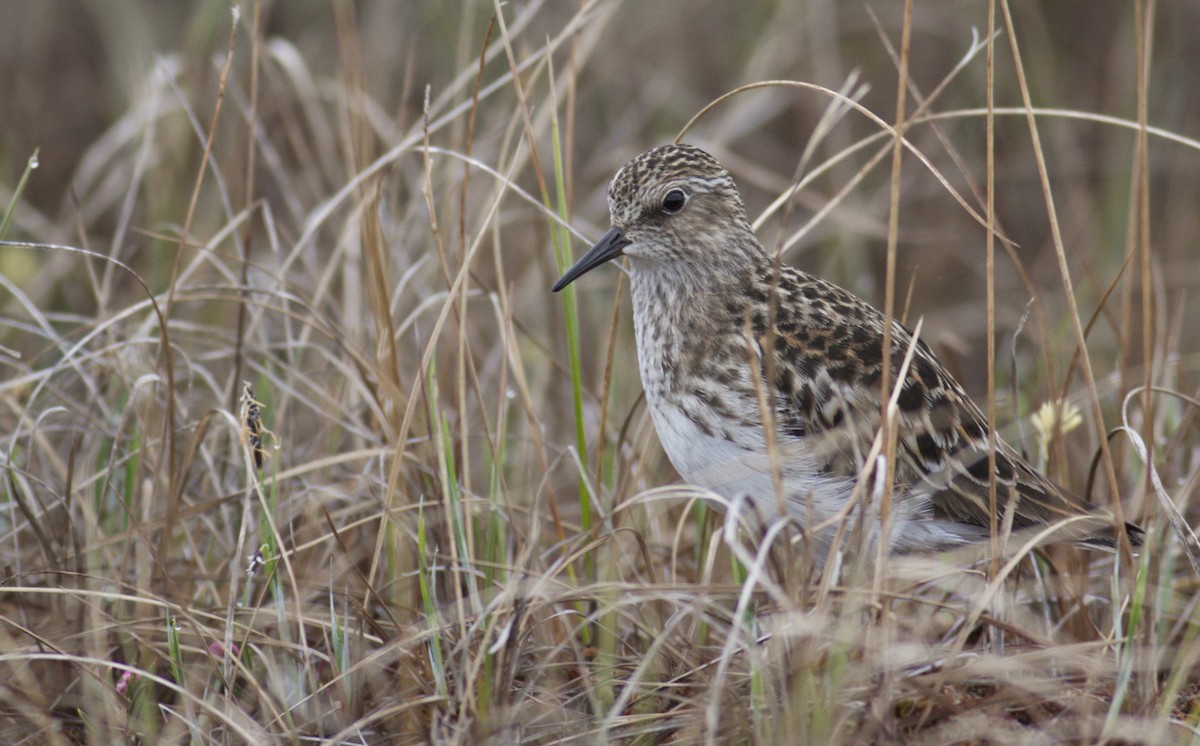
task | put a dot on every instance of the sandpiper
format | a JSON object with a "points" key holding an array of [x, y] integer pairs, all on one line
{"points": [[728, 339]]}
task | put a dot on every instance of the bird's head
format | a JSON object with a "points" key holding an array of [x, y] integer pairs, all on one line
{"points": [[673, 205]]}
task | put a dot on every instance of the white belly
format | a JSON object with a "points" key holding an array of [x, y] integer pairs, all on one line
{"points": [[815, 500], [743, 470]]}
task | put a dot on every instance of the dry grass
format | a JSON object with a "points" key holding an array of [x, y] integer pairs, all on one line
{"points": [[459, 532]]}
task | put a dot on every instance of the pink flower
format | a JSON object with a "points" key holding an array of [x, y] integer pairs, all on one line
{"points": [[124, 681], [218, 650]]}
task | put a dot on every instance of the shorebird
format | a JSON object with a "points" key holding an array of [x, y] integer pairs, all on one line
{"points": [[733, 346]]}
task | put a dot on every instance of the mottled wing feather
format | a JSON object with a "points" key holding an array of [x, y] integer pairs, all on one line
{"points": [[827, 394]]}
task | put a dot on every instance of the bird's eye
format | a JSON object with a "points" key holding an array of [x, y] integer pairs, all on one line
{"points": [[673, 201]]}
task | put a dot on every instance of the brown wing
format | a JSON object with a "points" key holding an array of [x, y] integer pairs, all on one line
{"points": [[826, 369]]}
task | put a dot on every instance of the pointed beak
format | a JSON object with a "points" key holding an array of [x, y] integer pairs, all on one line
{"points": [[609, 247]]}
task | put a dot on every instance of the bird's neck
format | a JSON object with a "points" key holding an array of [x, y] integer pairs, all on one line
{"points": [[678, 315], [676, 300]]}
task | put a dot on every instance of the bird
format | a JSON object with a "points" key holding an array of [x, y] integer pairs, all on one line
{"points": [[764, 382]]}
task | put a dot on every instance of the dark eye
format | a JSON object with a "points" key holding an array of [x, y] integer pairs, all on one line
{"points": [[673, 201]]}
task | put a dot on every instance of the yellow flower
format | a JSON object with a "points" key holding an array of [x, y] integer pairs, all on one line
{"points": [[1060, 417]]}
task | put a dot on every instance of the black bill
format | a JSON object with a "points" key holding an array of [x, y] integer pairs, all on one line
{"points": [[609, 247]]}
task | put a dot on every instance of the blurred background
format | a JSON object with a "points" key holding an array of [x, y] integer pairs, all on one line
{"points": [[629, 79], [372, 243]]}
